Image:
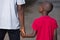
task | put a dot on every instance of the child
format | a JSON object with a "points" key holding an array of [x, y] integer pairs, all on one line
{"points": [[44, 27]]}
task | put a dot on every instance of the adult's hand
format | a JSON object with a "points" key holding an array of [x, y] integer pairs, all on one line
{"points": [[22, 29]]}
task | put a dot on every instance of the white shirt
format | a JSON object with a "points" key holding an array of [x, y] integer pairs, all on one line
{"points": [[8, 14]]}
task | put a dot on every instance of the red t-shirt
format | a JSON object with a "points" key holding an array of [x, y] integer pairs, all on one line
{"points": [[45, 27]]}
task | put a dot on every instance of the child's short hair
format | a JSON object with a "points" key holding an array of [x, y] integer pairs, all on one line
{"points": [[47, 6]]}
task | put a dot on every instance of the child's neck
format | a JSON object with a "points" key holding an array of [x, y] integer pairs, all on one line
{"points": [[44, 14]]}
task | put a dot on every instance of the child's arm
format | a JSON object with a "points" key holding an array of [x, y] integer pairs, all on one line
{"points": [[31, 35], [27, 35], [55, 34]]}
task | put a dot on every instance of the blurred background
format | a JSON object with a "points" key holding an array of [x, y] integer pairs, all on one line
{"points": [[31, 12]]}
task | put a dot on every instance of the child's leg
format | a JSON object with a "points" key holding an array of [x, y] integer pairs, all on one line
{"points": [[14, 34], [2, 34]]}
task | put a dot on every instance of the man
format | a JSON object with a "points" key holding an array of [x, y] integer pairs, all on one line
{"points": [[11, 18]]}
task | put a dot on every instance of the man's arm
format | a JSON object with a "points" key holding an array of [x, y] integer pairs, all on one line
{"points": [[55, 34], [21, 16]]}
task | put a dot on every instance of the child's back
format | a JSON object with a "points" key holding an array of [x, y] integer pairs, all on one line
{"points": [[45, 27]]}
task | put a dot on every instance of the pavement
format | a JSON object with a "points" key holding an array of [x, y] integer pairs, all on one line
{"points": [[32, 13]]}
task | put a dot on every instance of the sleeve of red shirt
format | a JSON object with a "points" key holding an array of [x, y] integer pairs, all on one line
{"points": [[55, 25], [34, 25]]}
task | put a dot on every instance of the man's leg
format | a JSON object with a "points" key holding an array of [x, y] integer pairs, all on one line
{"points": [[2, 34], [14, 34]]}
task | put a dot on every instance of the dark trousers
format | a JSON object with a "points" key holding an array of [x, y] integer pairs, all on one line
{"points": [[13, 34]]}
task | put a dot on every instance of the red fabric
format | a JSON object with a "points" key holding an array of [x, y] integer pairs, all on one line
{"points": [[45, 27]]}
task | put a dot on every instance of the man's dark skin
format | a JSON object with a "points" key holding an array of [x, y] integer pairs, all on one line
{"points": [[21, 17]]}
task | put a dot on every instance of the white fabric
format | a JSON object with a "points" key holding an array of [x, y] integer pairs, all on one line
{"points": [[8, 14]]}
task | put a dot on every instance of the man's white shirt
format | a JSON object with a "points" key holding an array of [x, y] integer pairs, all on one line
{"points": [[8, 14]]}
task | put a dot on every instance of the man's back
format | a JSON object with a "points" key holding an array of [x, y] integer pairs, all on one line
{"points": [[10, 11], [8, 14]]}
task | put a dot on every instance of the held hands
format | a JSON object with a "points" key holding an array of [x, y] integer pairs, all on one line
{"points": [[23, 33]]}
